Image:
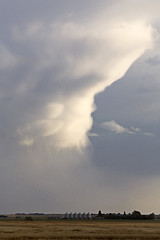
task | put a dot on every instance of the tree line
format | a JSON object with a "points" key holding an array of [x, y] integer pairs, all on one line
{"points": [[135, 215]]}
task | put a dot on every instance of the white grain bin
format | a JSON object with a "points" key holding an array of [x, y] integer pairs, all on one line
{"points": [[70, 215], [75, 215], [66, 215], [84, 215], [79, 215], [88, 215]]}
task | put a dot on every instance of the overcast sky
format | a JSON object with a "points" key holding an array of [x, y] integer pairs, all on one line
{"points": [[79, 106]]}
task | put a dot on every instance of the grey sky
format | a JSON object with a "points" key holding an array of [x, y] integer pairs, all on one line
{"points": [[59, 64]]}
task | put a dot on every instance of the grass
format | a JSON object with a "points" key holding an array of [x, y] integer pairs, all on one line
{"points": [[83, 230]]}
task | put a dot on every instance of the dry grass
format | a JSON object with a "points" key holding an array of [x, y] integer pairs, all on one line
{"points": [[83, 230]]}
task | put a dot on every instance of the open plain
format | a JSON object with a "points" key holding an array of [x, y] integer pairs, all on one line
{"points": [[92, 229]]}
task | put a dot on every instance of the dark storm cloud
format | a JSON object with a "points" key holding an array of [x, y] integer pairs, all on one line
{"points": [[54, 57], [133, 101]]}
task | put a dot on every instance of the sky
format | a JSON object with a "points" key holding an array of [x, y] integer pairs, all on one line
{"points": [[79, 106]]}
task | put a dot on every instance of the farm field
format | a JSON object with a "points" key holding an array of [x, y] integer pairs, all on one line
{"points": [[83, 230]]}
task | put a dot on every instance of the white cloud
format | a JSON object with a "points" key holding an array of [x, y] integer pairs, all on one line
{"points": [[93, 134], [27, 141], [119, 129], [65, 63], [138, 130], [115, 127], [148, 134], [81, 60], [24, 139]]}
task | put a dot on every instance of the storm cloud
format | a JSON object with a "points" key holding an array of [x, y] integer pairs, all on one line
{"points": [[56, 57]]}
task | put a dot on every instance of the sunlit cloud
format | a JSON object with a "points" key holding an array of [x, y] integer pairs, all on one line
{"points": [[119, 129], [27, 142], [93, 134], [115, 127], [86, 60]]}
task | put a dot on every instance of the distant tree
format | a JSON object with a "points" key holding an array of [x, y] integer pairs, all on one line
{"points": [[136, 213], [152, 216], [99, 213], [124, 215]]}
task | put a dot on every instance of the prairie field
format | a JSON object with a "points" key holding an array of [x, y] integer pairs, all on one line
{"points": [[83, 230]]}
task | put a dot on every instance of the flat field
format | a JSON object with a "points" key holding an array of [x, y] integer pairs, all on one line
{"points": [[91, 229]]}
